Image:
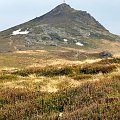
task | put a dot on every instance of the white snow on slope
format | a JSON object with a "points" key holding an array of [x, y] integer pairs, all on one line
{"points": [[80, 44], [19, 32], [65, 40]]}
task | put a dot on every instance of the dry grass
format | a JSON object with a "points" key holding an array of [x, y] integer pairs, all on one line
{"points": [[61, 88], [32, 52]]}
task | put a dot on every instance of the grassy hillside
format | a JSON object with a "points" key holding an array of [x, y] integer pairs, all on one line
{"points": [[71, 91]]}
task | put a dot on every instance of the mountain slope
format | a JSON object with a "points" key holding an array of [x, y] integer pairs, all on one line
{"points": [[64, 27], [63, 14]]}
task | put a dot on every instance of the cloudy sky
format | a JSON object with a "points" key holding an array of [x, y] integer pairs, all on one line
{"points": [[14, 12]]}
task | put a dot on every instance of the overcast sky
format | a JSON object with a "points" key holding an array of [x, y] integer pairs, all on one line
{"points": [[14, 12]]}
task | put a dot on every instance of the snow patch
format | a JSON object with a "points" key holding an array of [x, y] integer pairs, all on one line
{"points": [[89, 34], [65, 40], [19, 32], [80, 44]]}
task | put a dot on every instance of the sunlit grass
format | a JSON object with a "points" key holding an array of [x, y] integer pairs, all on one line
{"points": [[43, 92]]}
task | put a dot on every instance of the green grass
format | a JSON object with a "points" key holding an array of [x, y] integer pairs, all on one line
{"points": [[97, 68], [47, 71], [89, 100], [7, 77], [83, 76], [74, 70]]}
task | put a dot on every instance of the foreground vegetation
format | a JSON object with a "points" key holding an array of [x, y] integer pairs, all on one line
{"points": [[76, 92]]}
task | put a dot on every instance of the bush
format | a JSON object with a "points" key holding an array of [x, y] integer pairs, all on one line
{"points": [[104, 66], [3, 102], [7, 76], [47, 71], [105, 54], [110, 61], [95, 69], [55, 71], [23, 73], [82, 76]]}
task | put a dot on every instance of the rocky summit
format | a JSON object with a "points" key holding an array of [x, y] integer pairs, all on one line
{"points": [[63, 26]]}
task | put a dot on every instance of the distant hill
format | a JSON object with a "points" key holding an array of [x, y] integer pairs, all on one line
{"points": [[63, 26]]}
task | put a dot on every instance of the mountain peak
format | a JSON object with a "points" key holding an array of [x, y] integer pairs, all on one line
{"points": [[62, 26], [62, 8], [64, 13]]}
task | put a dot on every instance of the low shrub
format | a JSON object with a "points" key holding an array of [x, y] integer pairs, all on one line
{"points": [[105, 54], [47, 71], [3, 101], [23, 73], [7, 76], [109, 61], [116, 77], [82, 76], [50, 71], [55, 71], [95, 69]]}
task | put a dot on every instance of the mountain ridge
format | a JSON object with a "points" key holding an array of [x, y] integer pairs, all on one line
{"points": [[63, 26], [65, 11]]}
